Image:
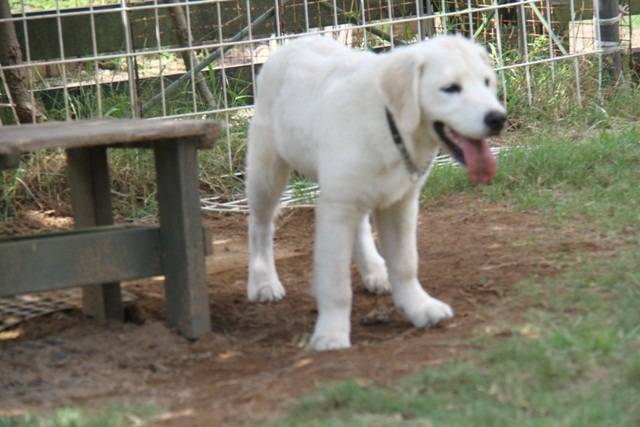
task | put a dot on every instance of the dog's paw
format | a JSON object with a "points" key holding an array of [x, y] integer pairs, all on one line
{"points": [[266, 292], [377, 283], [330, 341], [426, 312]]}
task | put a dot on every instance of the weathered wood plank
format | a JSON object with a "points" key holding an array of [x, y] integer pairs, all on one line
{"points": [[79, 257], [88, 173], [182, 240], [93, 133]]}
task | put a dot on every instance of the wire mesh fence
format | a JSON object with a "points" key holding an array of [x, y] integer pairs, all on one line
{"points": [[81, 59]]}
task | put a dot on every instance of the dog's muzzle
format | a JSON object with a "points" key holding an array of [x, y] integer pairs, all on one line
{"points": [[494, 121]]}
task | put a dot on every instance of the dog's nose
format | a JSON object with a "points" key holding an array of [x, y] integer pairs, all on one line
{"points": [[495, 120]]}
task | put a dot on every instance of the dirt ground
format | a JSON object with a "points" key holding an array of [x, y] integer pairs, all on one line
{"points": [[254, 362]]}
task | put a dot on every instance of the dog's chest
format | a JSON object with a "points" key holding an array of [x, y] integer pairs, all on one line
{"points": [[395, 181], [385, 189]]}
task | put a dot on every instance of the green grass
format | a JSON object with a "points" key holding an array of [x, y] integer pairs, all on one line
{"points": [[574, 358], [596, 178], [112, 416], [574, 361]]}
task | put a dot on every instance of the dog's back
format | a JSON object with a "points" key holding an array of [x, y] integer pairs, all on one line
{"points": [[297, 92], [301, 69]]}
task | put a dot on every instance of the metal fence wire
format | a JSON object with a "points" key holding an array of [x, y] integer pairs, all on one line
{"points": [[199, 58]]}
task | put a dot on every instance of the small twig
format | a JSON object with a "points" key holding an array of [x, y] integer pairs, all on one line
{"points": [[188, 56], [383, 35], [177, 85]]}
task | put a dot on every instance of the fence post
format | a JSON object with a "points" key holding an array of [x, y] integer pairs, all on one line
{"points": [[610, 37], [427, 29], [521, 23]]}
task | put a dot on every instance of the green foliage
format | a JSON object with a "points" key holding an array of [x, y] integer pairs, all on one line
{"points": [[632, 21], [40, 181], [300, 189], [16, 5]]}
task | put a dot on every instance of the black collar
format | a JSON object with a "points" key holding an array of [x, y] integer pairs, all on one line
{"points": [[415, 172], [395, 133]]}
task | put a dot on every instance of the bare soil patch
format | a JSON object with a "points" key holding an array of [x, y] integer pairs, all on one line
{"points": [[254, 361]]}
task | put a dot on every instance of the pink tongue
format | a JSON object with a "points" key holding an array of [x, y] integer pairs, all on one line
{"points": [[479, 159]]}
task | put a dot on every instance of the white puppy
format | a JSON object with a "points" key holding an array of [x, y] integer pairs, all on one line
{"points": [[367, 127]]}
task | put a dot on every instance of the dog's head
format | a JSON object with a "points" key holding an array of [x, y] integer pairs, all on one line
{"points": [[446, 85]]}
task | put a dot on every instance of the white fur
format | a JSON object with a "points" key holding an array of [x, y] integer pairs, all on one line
{"points": [[321, 110]]}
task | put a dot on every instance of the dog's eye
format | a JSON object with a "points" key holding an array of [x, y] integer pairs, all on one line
{"points": [[452, 88], [487, 82]]}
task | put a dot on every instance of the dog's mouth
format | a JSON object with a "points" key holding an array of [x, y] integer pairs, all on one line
{"points": [[473, 153]]}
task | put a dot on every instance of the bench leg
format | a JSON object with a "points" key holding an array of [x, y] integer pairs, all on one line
{"points": [[91, 200], [181, 235]]}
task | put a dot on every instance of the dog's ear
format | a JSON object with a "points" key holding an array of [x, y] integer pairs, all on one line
{"points": [[398, 83], [485, 54]]}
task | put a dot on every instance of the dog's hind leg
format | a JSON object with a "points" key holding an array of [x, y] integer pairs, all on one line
{"points": [[397, 231], [370, 264], [267, 176]]}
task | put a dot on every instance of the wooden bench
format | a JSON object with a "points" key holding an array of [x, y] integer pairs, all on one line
{"points": [[100, 254]]}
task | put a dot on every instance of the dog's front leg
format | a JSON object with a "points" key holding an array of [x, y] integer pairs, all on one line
{"points": [[336, 225], [397, 231]]}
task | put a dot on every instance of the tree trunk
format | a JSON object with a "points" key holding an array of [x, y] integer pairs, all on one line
{"points": [[10, 54], [189, 57]]}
